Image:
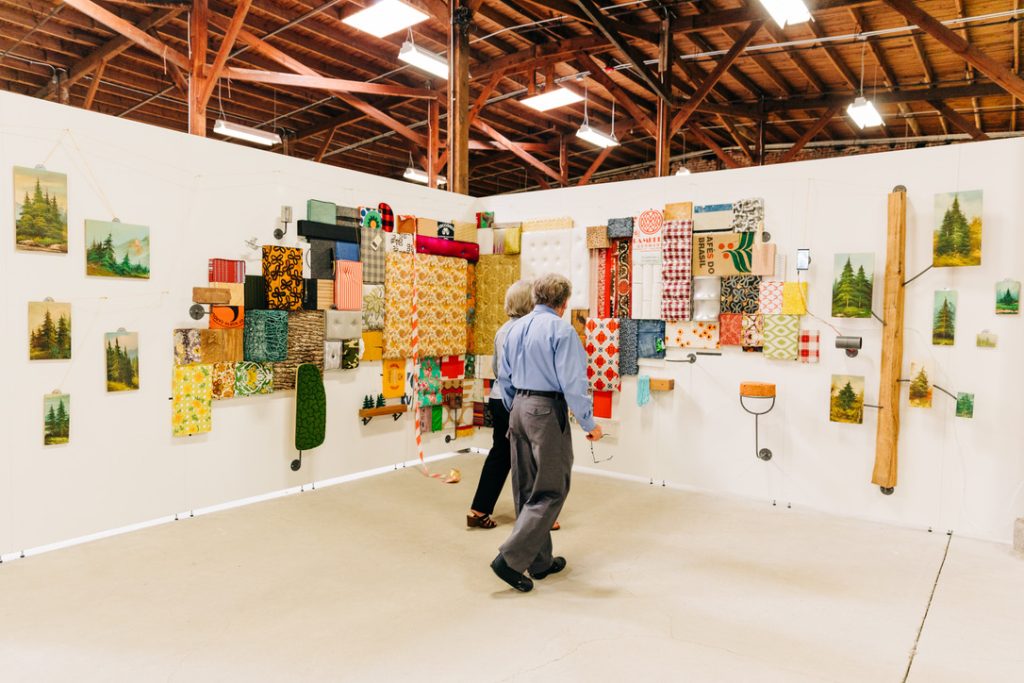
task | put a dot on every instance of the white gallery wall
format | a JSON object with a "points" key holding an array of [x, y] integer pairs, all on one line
{"points": [[201, 199], [965, 475]]}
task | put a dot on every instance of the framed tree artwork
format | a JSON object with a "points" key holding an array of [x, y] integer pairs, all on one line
{"points": [[957, 237], [944, 318], [853, 286], [40, 210]]}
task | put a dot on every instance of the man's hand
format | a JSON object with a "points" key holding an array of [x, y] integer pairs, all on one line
{"points": [[596, 434]]}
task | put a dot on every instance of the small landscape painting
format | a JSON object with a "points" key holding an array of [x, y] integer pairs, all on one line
{"points": [[846, 402], [920, 386], [115, 249], [1007, 297], [957, 237], [40, 210], [964, 405], [853, 286], [49, 330], [56, 419], [944, 318], [122, 350], [987, 340]]}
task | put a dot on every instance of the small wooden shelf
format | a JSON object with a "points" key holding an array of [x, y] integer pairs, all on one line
{"points": [[367, 414]]}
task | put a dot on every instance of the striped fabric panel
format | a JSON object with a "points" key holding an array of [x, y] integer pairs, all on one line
{"points": [[226, 270]]}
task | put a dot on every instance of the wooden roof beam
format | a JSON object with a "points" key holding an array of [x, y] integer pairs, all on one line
{"points": [[702, 135], [129, 30], [517, 150], [646, 31], [809, 134], [324, 83], [887, 73], [623, 98], [908, 95], [221, 58], [958, 120]]}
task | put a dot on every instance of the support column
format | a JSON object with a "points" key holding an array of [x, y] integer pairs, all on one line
{"points": [[433, 142], [663, 139], [458, 97], [199, 36]]}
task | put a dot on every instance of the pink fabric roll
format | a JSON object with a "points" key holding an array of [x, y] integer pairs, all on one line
{"points": [[440, 247], [348, 285]]}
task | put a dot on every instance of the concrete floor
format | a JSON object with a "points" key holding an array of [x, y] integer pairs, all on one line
{"points": [[379, 580]]}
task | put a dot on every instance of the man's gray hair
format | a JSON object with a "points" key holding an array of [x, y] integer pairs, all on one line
{"points": [[552, 290], [519, 299]]}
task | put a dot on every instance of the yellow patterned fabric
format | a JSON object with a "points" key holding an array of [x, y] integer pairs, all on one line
{"points": [[494, 275], [398, 305], [794, 298], [282, 271], [442, 305], [192, 402]]}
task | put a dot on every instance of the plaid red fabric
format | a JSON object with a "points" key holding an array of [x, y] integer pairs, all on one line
{"points": [[808, 347], [676, 262], [226, 270], [387, 217]]}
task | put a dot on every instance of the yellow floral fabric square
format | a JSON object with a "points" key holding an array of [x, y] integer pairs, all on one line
{"points": [[442, 305], [494, 275], [794, 298], [192, 403], [398, 305]]}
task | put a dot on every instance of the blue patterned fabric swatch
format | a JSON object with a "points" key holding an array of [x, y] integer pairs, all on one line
{"points": [[651, 338], [619, 228], [628, 340]]}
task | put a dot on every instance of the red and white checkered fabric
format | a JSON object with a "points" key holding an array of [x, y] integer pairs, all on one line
{"points": [[808, 346], [676, 265]]}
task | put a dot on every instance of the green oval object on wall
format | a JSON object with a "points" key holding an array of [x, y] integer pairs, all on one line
{"points": [[310, 407]]}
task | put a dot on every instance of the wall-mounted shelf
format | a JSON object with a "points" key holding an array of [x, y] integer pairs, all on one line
{"points": [[367, 414]]}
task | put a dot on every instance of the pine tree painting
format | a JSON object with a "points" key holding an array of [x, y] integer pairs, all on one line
{"points": [[944, 318], [122, 349], [853, 286], [116, 249], [1007, 297], [920, 386], [957, 238], [965, 405], [40, 210], [56, 419], [49, 330], [846, 402]]}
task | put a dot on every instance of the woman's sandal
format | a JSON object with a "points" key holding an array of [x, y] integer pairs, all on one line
{"points": [[556, 526], [480, 521]]}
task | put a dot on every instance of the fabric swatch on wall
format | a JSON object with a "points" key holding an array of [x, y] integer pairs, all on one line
{"points": [[781, 337], [324, 294], [252, 379], [470, 366], [282, 271], [603, 404], [602, 349], [398, 243], [730, 329], [255, 292], [373, 344], [484, 220], [712, 217], [393, 377], [346, 216], [808, 347], [311, 295], [464, 231], [227, 317], [676, 263], [223, 377], [373, 307], [578, 317], [747, 215], [371, 251], [369, 217], [187, 349], [387, 217], [332, 354], [452, 367], [651, 338], [349, 354], [310, 407], [428, 385], [538, 224], [622, 298], [507, 241], [603, 301], [741, 294], [405, 224], [485, 367], [192, 400], [321, 259], [770, 297], [346, 251], [214, 346], [706, 310], [597, 237], [620, 228], [398, 305], [794, 298], [753, 329], [628, 346], [442, 305], [494, 275], [692, 335], [321, 212], [226, 270], [470, 307], [236, 292], [342, 324], [305, 345], [348, 285], [485, 239]]}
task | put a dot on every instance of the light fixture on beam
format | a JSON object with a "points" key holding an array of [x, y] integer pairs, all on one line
{"points": [[683, 170], [864, 114], [413, 54], [593, 135], [419, 176], [557, 97], [787, 11], [385, 17], [247, 133]]}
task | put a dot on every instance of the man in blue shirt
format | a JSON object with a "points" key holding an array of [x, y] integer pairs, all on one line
{"points": [[543, 372]]}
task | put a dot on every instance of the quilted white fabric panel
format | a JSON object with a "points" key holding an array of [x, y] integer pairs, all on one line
{"points": [[558, 251], [486, 240], [547, 224]]}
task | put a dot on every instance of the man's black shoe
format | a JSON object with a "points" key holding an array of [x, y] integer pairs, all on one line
{"points": [[510, 576], [557, 565]]}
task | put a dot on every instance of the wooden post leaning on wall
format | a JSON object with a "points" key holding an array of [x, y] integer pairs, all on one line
{"points": [[888, 434], [458, 97]]}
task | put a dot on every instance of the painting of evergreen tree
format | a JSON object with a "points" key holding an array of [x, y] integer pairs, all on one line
{"points": [[122, 361], [56, 419], [40, 210], [1007, 297], [964, 405], [957, 238], [987, 340], [853, 286], [49, 330], [920, 386], [846, 403], [944, 318], [116, 249]]}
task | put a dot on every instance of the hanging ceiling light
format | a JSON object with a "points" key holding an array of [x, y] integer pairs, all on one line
{"points": [[419, 176], [247, 133], [435, 64], [683, 170], [385, 17], [787, 11], [862, 110], [593, 135], [557, 97]]}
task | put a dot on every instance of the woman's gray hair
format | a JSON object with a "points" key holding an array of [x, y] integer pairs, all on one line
{"points": [[519, 299], [552, 290]]}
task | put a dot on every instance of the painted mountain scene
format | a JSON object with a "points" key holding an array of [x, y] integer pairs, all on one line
{"points": [[116, 249]]}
